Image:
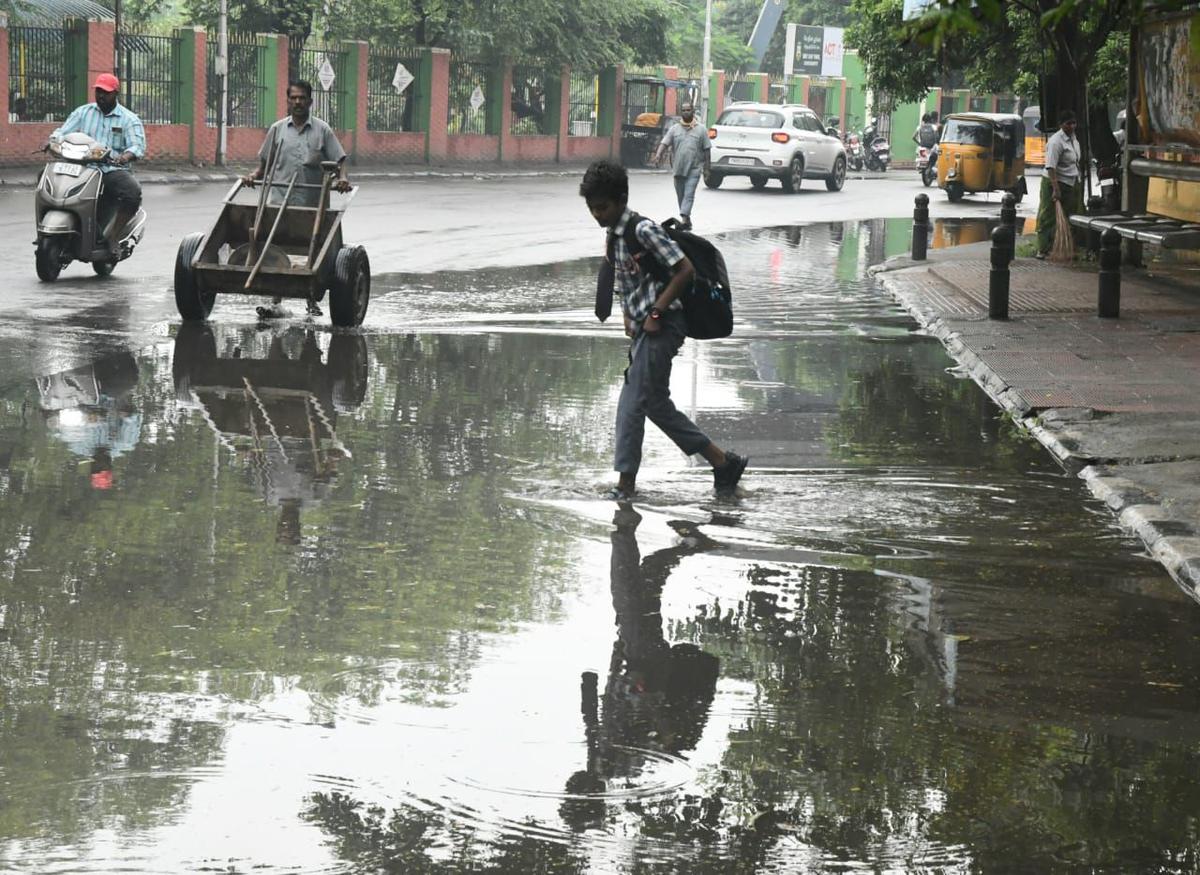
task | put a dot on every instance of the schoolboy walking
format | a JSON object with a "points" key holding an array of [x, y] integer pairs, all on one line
{"points": [[654, 321]]}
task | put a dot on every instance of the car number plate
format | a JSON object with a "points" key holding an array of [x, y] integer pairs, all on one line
{"points": [[67, 169], [743, 161]]}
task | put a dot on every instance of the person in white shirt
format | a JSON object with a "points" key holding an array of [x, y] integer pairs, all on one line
{"points": [[1061, 180]]}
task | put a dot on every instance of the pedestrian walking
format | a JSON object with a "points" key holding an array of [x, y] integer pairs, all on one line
{"points": [[1060, 181], [300, 142], [692, 148], [654, 321]]}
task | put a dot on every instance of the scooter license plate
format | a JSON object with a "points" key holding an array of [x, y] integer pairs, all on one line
{"points": [[67, 169]]}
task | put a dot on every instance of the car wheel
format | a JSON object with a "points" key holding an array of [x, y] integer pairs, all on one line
{"points": [[795, 175], [712, 179], [837, 179], [758, 182], [193, 303]]}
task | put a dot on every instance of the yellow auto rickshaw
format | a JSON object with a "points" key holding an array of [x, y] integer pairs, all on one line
{"points": [[982, 151]]}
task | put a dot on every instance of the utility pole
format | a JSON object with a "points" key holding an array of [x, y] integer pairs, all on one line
{"points": [[706, 63], [117, 40], [223, 75]]}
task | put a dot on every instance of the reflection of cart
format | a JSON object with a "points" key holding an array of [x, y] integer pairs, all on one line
{"points": [[287, 245]]}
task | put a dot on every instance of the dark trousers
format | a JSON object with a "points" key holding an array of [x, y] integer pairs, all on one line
{"points": [[121, 191]]}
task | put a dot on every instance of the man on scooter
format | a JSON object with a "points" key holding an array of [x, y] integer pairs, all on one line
{"points": [[118, 128]]}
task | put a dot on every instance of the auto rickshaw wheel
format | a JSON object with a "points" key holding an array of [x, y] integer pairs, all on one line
{"points": [[955, 192], [192, 302], [351, 289], [103, 268]]}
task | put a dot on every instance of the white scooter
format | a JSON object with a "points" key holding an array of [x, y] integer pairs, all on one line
{"points": [[65, 206]]}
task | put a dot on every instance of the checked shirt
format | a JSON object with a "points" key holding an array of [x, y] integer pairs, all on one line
{"points": [[637, 287]]}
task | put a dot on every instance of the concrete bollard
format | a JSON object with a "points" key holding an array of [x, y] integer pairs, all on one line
{"points": [[1008, 216], [1109, 299], [920, 232], [1003, 244]]}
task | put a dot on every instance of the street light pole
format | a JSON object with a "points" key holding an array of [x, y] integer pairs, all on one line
{"points": [[706, 63], [223, 75]]}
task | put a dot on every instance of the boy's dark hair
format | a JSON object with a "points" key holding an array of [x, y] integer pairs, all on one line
{"points": [[1065, 116], [302, 84], [605, 180]]}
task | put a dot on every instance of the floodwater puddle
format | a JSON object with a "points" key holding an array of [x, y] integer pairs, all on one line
{"points": [[285, 599]]}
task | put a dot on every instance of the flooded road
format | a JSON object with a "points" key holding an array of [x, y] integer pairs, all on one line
{"points": [[288, 601]]}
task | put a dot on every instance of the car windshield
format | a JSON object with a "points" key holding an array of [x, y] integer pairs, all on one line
{"points": [[750, 118], [969, 133]]}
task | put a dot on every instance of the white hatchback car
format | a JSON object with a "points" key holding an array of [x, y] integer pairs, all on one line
{"points": [[774, 141]]}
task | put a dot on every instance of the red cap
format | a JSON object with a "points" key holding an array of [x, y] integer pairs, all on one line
{"points": [[107, 82]]}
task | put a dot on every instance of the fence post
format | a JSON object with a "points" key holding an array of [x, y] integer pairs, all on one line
{"points": [[101, 49], [435, 102], [609, 98], [353, 106], [999, 276], [671, 95], [499, 107], [920, 229], [552, 97], [564, 113], [762, 86], [716, 95], [272, 79], [188, 102], [4, 67], [1109, 298]]}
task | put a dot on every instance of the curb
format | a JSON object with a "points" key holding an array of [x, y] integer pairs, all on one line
{"points": [[1137, 511]]}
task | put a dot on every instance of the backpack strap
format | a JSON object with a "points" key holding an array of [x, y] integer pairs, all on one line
{"points": [[646, 259]]}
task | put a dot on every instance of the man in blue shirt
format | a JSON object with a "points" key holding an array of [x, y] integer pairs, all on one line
{"points": [[111, 124]]}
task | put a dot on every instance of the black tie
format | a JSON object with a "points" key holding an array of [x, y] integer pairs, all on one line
{"points": [[605, 279]]}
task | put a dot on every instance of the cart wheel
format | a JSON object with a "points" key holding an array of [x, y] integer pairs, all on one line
{"points": [[193, 303], [351, 288], [348, 366], [195, 348]]}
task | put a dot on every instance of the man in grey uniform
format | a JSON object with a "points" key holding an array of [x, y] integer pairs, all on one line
{"points": [[692, 150], [301, 143]]}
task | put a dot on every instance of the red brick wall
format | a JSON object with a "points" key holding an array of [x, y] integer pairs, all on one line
{"points": [[542, 149], [671, 102], [472, 147], [390, 146], [588, 148], [168, 143], [101, 47]]}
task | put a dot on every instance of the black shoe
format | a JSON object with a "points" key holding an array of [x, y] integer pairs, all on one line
{"points": [[314, 309], [686, 224], [727, 476], [619, 494]]}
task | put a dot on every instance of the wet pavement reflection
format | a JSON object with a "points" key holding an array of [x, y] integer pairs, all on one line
{"points": [[291, 600]]}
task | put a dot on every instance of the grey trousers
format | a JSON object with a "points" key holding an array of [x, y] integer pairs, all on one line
{"points": [[685, 192], [647, 395]]}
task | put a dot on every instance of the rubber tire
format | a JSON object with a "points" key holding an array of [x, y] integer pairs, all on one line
{"points": [[350, 292], [795, 170], [928, 176], [48, 258], [713, 180], [837, 179], [954, 192], [758, 183], [348, 362], [195, 348], [103, 268], [192, 304]]}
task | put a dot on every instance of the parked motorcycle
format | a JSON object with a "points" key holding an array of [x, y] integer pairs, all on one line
{"points": [[855, 157], [66, 205], [877, 152], [927, 164]]}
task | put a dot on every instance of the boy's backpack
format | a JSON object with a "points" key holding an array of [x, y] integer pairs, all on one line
{"points": [[708, 302]]}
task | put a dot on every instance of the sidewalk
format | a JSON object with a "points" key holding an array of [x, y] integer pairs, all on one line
{"points": [[1114, 399]]}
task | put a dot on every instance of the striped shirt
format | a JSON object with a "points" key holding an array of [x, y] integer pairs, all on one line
{"points": [[638, 288], [121, 130]]}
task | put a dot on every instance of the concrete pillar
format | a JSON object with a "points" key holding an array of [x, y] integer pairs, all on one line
{"points": [[101, 47], [435, 102], [716, 95], [564, 112], [671, 99], [762, 86], [192, 72], [353, 110], [608, 117], [499, 108], [272, 79], [4, 86]]}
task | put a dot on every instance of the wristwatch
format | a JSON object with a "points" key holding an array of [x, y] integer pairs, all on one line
{"points": [[655, 313]]}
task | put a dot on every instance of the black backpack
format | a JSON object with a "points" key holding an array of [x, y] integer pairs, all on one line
{"points": [[708, 301]]}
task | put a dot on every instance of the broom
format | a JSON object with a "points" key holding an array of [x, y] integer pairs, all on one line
{"points": [[1063, 250]]}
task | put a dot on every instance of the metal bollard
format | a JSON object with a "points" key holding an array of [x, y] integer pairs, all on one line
{"points": [[1003, 244], [920, 234], [1109, 299], [1008, 216]]}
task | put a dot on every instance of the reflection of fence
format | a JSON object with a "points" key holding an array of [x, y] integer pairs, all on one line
{"points": [[583, 104], [246, 91], [528, 101], [311, 64], [41, 74], [387, 109], [149, 86], [468, 95]]}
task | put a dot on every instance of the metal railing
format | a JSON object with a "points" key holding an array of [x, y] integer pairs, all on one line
{"points": [[315, 61], [468, 98], [391, 100], [246, 93], [583, 105], [740, 89], [41, 74], [528, 101], [149, 84]]}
